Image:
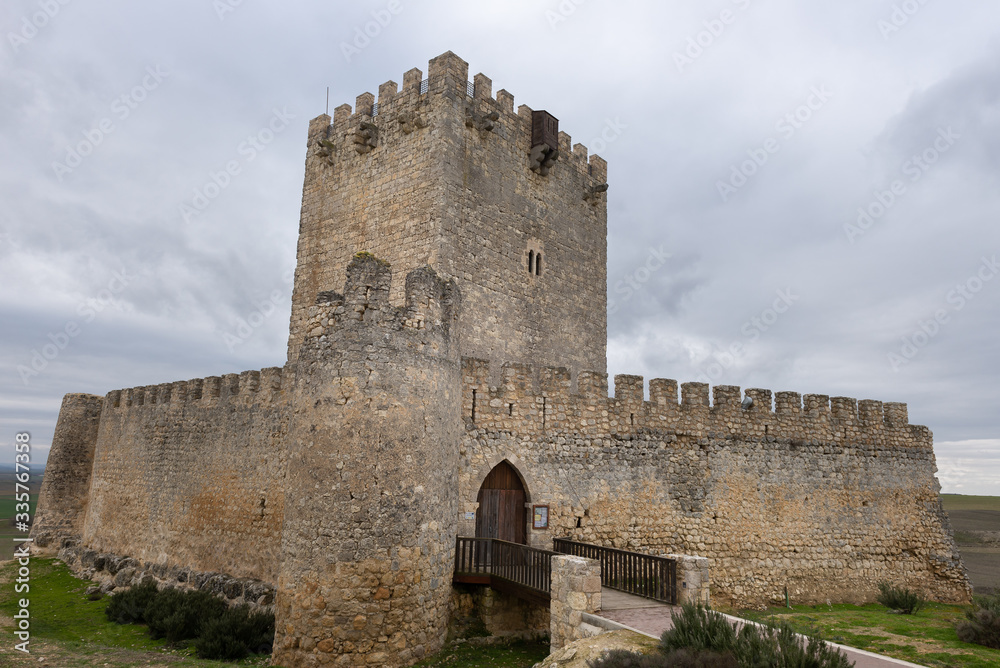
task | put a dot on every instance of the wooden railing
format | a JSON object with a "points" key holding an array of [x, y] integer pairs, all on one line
{"points": [[630, 572], [511, 567]]}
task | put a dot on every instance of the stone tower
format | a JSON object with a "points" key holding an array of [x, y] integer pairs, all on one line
{"points": [[442, 173], [372, 484]]}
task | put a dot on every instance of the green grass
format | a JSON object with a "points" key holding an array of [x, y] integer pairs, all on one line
{"points": [[73, 632], [8, 532], [927, 637], [517, 654], [65, 624], [967, 502]]}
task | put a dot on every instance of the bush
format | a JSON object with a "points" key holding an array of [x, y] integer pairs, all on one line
{"points": [[129, 606], [899, 599], [220, 632], [702, 631], [698, 628], [780, 647], [685, 658], [237, 633], [982, 623], [179, 615]]}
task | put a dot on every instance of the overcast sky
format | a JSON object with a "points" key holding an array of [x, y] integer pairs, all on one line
{"points": [[822, 176]]}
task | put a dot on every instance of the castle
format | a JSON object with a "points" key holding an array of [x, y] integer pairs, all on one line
{"points": [[445, 375]]}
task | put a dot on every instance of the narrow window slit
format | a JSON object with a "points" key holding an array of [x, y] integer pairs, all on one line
{"points": [[531, 262], [473, 405], [538, 265]]}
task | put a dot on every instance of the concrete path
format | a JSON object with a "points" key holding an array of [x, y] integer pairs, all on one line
{"points": [[652, 619]]}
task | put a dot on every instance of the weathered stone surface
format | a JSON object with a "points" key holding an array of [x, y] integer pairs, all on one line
{"points": [[62, 501], [124, 577], [579, 653], [576, 588], [135, 572], [372, 475]]}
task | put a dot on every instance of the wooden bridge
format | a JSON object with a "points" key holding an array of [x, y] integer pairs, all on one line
{"points": [[526, 572]]}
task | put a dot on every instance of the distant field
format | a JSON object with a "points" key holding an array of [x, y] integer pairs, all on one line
{"points": [[7, 507], [962, 502], [976, 522]]}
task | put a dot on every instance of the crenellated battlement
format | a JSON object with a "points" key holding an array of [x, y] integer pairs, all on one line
{"points": [[430, 304], [379, 122], [264, 386], [539, 400]]}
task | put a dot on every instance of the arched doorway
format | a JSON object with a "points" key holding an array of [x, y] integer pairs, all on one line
{"points": [[501, 512]]}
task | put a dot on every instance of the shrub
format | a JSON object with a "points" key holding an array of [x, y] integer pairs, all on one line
{"points": [[697, 628], [702, 632], [678, 658], [179, 615], [780, 647], [982, 623], [235, 634], [685, 658], [899, 599], [129, 606], [220, 632]]}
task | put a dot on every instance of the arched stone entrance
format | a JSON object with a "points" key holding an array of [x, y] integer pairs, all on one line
{"points": [[501, 513]]}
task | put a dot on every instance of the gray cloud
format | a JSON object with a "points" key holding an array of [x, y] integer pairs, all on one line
{"points": [[679, 133]]}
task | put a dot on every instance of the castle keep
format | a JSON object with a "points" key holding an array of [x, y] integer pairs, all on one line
{"points": [[445, 374]]}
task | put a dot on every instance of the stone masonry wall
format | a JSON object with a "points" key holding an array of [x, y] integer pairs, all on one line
{"points": [[63, 499], [191, 474], [368, 541], [576, 589], [442, 178], [825, 497]]}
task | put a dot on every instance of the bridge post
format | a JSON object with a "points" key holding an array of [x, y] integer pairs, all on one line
{"points": [[576, 589], [692, 578]]}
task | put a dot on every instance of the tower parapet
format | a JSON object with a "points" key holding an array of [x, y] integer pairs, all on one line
{"points": [[373, 460], [439, 173], [64, 497]]}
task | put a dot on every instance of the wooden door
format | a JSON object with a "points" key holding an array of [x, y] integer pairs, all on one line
{"points": [[501, 511]]}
